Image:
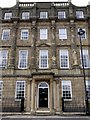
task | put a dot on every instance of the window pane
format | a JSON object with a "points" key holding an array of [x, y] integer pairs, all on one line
{"points": [[84, 35], [43, 59], [66, 90], [24, 34], [20, 90], [43, 34], [7, 16], [3, 58], [43, 15], [88, 88], [23, 59], [79, 14], [85, 58], [25, 15], [61, 14], [62, 33], [64, 59], [6, 34]]}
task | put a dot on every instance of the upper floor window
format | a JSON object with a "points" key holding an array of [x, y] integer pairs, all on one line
{"points": [[3, 58], [64, 59], [6, 34], [61, 14], [43, 15], [20, 90], [24, 34], [84, 35], [66, 90], [63, 33], [43, 59], [1, 89], [88, 88], [79, 14], [23, 59], [43, 34], [8, 16], [85, 58], [25, 15]]}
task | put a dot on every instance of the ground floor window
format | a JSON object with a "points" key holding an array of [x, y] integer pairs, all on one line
{"points": [[20, 90], [1, 88], [88, 88], [66, 90]]}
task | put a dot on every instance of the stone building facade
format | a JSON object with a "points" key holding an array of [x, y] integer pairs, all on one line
{"points": [[40, 56]]}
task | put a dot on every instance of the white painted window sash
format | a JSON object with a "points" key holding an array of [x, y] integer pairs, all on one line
{"points": [[24, 34], [20, 86], [43, 34], [8, 16], [25, 15], [3, 58], [43, 59], [85, 58], [6, 34], [23, 59], [43, 15], [66, 86], [64, 59], [62, 33], [61, 14]]}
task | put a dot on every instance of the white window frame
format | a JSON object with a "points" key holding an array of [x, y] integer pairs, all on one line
{"points": [[61, 14], [25, 59], [64, 58], [43, 15], [62, 33], [66, 86], [43, 34], [79, 14], [85, 58], [8, 16], [25, 15], [5, 34], [43, 57], [1, 89], [3, 58], [19, 89], [84, 35], [88, 88], [24, 34]]}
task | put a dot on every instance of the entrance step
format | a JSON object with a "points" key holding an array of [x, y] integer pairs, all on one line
{"points": [[42, 112]]}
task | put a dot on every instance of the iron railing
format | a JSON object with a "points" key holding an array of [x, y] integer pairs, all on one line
{"points": [[73, 105], [11, 105]]}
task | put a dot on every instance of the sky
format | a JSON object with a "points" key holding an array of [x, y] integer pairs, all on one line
{"points": [[11, 3]]}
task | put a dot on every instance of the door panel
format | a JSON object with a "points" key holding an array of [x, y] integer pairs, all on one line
{"points": [[43, 97]]}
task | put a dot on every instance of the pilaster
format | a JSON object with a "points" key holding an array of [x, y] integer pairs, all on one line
{"points": [[53, 29], [33, 97], [28, 97], [13, 45], [33, 46], [58, 98], [54, 94], [51, 96]]}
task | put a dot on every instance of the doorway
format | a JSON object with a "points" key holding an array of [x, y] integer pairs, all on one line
{"points": [[43, 92]]}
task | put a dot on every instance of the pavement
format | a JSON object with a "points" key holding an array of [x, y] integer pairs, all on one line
{"points": [[55, 117], [28, 116]]}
